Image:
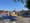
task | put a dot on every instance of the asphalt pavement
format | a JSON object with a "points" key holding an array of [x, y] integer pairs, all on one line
{"points": [[19, 20]]}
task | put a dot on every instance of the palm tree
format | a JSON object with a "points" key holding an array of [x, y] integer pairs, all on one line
{"points": [[27, 3], [18, 1], [14, 0]]}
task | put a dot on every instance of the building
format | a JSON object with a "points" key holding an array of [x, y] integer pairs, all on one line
{"points": [[3, 12], [25, 13]]}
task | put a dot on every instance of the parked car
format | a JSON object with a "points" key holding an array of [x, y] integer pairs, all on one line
{"points": [[1, 17], [25, 15]]}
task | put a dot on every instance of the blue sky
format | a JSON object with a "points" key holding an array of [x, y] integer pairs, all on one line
{"points": [[10, 5]]}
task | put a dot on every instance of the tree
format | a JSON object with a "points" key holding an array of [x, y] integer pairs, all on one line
{"points": [[19, 1], [28, 4], [14, 0]]}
